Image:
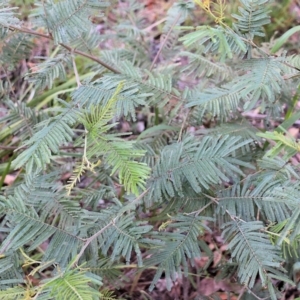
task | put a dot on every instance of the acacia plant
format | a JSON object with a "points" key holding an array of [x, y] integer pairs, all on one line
{"points": [[148, 196]]}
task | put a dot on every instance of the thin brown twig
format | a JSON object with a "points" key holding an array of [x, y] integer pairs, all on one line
{"points": [[81, 53], [75, 69], [164, 42], [25, 147], [182, 126], [154, 24], [97, 60], [197, 212], [242, 292], [111, 223], [29, 31]]}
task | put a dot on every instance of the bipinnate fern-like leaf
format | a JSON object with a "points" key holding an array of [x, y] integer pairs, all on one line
{"points": [[107, 295], [105, 268], [72, 284], [253, 15], [64, 226], [247, 199], [11, 273], [118, 153], [153, 140], [199, 64], [218, 40], [285, 144], [290, 195], [49, 200], [249, 244], [268, 192], [7, 14], [39, 211], [66, 20], [262, 81], [121, 156], [15, 46], [140, 87], [178, 12], [117, 233], [29, 228], [99, 116], [219, 102], [157, 87], [49, 136], [114, 57], [124, 237], [294, 62], [92, 196], [100, 91], [87, 41], [43, 74], [16, 292], [21, 119], [245, 130], [199, 164], [180, 248]]}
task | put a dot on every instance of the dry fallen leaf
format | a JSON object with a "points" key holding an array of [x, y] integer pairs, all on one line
{"points": [[293, 131], [201, 261], [208, 286], [217, 258], [9, 179]]}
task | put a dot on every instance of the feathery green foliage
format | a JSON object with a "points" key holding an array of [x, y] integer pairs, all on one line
{"points": [[94, 198]]}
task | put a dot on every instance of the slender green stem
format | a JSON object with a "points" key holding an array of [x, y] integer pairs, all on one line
{"points": [[52, 96], [156, 119], [294, 104], [35, 101], [6, 171]]}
